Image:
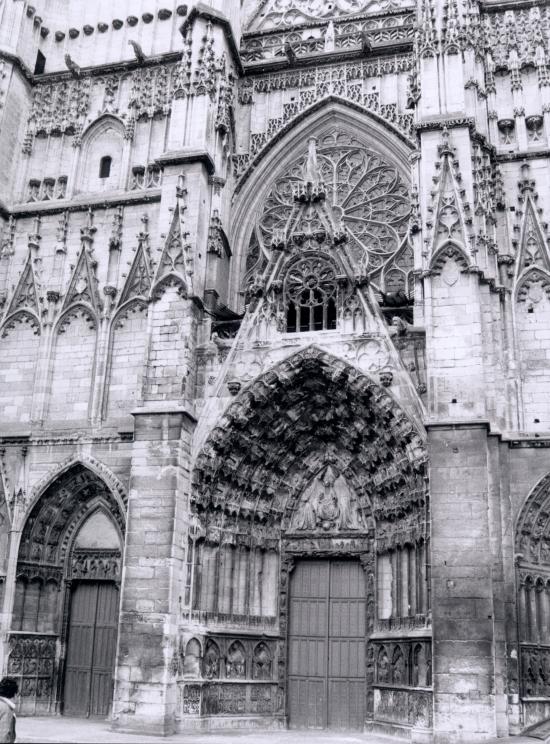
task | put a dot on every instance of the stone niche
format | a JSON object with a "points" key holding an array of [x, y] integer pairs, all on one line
{"points": [[232, 677]]}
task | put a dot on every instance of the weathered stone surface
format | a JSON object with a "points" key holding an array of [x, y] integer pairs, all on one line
{"points": [[267, 298]]}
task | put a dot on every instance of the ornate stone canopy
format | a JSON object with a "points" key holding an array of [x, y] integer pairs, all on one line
{"points": [[310, 412]]}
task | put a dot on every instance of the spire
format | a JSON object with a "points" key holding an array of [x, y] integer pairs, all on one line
{"points": [[138, 283], [25, 296], [312, 188], [449, 216], [176, 264], [533, 249], [83, 284]]}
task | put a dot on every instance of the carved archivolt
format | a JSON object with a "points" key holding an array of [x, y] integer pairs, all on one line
{"points": [[90, 463], [533, 526], [533, 287], [449, 254], [310, 413], [60, 510]]}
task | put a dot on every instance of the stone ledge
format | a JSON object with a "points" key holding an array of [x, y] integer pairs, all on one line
{"points": [[81, 202], [458, 424], [188, 155]]}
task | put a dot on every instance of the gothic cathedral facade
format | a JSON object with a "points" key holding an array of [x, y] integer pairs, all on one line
{"points": [[274, 368]]}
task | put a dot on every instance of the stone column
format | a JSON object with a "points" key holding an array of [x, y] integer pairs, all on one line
{"points": [[145, 687], [462, 587]]}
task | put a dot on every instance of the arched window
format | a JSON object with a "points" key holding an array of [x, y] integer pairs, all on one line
{"points": [[105, 166], [311, 296], [100, 161]]}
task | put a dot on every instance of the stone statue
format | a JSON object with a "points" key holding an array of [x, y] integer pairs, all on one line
{"points": [[328, 504]]}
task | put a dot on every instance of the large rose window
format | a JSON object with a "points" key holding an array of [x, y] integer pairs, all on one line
{"points": [[358, 199]]}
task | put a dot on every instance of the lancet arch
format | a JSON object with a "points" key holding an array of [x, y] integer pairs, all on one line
{"points": [[102, 144], [265, 449], [70, 554], [313, 465], [355, 159], [532, 547]]}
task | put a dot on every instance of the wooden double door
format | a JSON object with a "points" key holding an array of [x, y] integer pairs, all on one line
{"points": [[326, 645], [91, 649]]}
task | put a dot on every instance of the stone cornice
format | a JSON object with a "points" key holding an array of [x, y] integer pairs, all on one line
{"points": [[61, 440], [81, 204], [156, 408], [509, 157], [533, 442], [218, 19], [188, 155], [323, 22], [450, 122], [319, 59], [452, 424], [91, 71], [499, 6], [511, 439]]}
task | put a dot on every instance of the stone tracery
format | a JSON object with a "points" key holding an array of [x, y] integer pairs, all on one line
{"points": [[279, 13], [340, 197]]}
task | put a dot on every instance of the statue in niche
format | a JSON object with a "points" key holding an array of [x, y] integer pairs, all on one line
{"points": [[383, 671], [261, 663], [212, 661], [328, 504], [235, 662]]}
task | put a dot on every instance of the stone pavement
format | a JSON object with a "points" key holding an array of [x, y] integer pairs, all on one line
{"points": [[77, 730]]}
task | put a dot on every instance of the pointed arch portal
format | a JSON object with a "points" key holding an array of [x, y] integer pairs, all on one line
{"points": [[65, 613], [314, 472]]}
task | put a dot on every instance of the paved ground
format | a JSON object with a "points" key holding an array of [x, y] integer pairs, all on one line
{"points": [[78, 731]]}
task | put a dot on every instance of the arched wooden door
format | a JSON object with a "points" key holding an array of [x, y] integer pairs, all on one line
{"points": [[92, 628], [91, 648]]}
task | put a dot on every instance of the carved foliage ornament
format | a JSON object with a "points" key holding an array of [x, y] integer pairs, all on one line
{"points": [[277, 13], [309, 412]]}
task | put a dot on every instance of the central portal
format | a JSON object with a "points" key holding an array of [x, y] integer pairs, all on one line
{"points": [[326, 645]]}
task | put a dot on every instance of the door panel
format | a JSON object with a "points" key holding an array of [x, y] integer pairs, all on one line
{"points": [[326, 645], [91, 649], [78, 670]]}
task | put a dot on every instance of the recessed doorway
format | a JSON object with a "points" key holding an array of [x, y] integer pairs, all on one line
{"points": [[326, 645]]}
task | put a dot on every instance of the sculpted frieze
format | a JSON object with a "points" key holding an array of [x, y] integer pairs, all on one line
{"points": [[31, 661], [336, 35], [279, 13], [535, 671]]}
